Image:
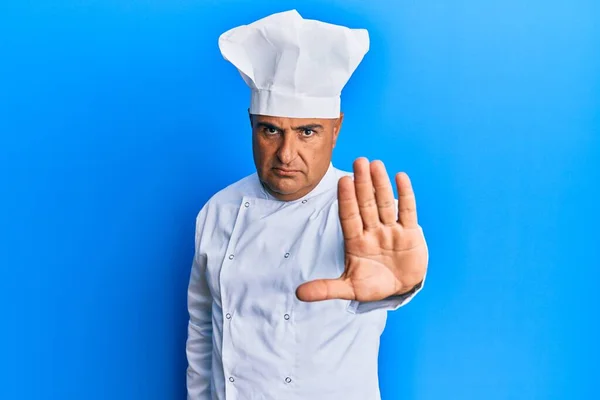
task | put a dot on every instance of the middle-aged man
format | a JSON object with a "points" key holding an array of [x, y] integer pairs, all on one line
{"points": [[296, 265]]}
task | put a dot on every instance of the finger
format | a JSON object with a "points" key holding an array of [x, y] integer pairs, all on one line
{"points": [[365, 194], [384, 193], [325, 289], [407, 206], [348, 209]]}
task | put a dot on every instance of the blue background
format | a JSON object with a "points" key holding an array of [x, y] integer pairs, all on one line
{"points": [[119, 119]]}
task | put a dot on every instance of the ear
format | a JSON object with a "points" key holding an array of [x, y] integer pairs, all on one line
{"points": [[337, 127]]}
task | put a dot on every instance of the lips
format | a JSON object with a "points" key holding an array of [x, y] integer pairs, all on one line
{"points": [[286, 172]]}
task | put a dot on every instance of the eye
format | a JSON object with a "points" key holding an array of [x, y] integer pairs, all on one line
{"points": [[271, 130], [308, 132]]}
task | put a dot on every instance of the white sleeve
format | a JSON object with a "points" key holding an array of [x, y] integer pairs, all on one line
{"points": [[199, 342]]}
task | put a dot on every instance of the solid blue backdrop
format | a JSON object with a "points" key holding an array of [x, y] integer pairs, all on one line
{"points": [[118, 120]]}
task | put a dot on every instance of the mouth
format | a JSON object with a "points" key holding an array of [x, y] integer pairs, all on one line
{"points": [[285, 171]]}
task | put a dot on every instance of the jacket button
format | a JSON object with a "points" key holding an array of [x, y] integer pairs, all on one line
{"points": [[228, 316], [288, 379], [231, 256], [287, 255], [231, 379], [286, 316], [246, 204]]}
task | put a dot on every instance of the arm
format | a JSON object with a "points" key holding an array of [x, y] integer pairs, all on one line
{"points": [[199, 342]]}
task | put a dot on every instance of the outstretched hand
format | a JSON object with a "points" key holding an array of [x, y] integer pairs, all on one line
{"points": [[385, 250]]}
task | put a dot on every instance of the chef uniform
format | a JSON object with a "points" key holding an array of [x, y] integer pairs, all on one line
{"points": [[249, 337]]}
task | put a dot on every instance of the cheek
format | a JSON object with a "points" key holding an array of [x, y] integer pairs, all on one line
{"points": [[321, 152], [263, 152]]}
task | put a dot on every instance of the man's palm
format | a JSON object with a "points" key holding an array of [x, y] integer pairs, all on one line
{"points": [[385, 250]]}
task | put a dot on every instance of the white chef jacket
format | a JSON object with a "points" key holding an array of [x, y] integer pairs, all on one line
{"points": [[249, 337]]}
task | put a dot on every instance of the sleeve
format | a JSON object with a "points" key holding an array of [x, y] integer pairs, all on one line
{"points": [[389, 304], [199, 342]]}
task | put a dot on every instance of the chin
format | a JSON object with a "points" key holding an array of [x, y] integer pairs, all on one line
{"points": [[284, 189], [283, 185]]}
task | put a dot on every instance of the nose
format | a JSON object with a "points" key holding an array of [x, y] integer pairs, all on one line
{"points": [[287, 151]]}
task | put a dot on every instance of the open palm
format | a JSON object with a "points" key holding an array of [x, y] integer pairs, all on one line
{"points": [[385, 250]]}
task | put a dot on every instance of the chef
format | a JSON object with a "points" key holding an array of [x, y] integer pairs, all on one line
{"points": [[297, 265]]}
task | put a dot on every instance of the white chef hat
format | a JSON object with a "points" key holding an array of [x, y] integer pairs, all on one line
{"points": [[294, 67]]}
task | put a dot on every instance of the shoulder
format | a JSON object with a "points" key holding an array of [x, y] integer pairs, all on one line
{"points": [[234, 192], [229, 195]]}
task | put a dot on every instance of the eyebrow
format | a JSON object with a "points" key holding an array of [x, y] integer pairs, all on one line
{"points": [[268, 126], [308, 127], [295, 128]]}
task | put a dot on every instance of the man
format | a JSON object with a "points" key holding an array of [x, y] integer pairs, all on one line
{"points": [[297, 265]]}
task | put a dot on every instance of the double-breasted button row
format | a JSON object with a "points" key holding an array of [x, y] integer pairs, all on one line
{"points": [[285, 316]]}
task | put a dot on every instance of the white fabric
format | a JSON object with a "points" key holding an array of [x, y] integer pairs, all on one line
{"points": [[249, 336], [294, 67]]}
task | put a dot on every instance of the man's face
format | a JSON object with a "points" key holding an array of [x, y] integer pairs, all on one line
{"points": [[292, 154]]}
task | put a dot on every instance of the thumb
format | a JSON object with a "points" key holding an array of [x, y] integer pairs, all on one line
{"points": [[325, 289]]}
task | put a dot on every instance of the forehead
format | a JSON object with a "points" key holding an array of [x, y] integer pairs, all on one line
{"points": [[285, 122]]}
